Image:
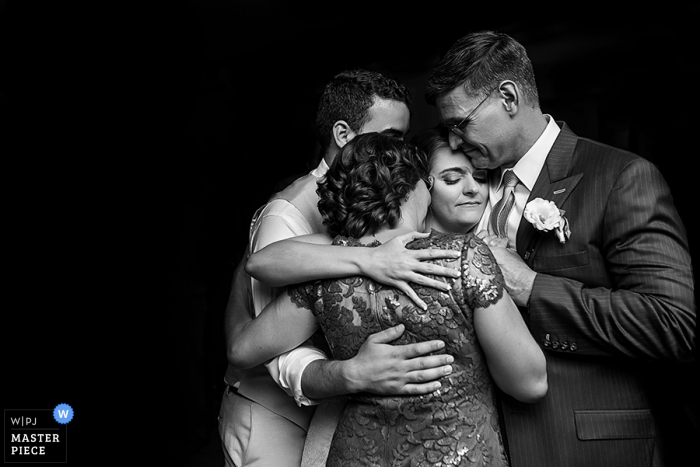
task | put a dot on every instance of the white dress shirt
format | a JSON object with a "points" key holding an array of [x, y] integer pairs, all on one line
{"points": [[283, 219], [527, 169]]}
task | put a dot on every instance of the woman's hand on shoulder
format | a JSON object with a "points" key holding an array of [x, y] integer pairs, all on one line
{"points": [[393, 264]]}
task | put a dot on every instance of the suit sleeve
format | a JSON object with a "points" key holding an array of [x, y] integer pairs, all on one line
{"points": [[648, 311]]}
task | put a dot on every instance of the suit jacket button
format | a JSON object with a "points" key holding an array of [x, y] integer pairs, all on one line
{"points": [[564, 345], [547, 343], [555, 344], [573, 347]]}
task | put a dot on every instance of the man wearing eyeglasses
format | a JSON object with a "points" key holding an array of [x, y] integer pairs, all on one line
{"points": [[608, 302]]}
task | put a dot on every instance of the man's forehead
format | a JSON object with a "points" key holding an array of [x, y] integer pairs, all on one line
{"points": [[453, 104]]}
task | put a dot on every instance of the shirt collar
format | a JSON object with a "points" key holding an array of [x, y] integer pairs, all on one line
{"points": [[321, 170], [530, 165]]}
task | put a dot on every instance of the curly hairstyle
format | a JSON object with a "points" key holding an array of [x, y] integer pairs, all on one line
{"points": [[349, 95], [479, 61], [366, 184]]}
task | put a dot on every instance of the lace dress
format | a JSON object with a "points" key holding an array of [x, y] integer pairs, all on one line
{"points": [[456, 425]]}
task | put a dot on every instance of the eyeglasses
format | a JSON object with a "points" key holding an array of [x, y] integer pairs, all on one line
{"points": [[458, 129]]}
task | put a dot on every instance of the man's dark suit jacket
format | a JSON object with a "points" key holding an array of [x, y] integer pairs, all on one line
{"points": [[606, 306]]}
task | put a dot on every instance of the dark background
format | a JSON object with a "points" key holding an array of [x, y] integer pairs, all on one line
{"points": [[139, 139]]}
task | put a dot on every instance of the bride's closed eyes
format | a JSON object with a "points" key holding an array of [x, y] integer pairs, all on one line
{"points": [[454, 175]]}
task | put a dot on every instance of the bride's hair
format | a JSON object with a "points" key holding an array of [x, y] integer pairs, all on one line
{"points": [[366, 184]]}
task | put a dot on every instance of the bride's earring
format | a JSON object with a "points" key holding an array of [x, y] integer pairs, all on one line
{"points": [[431, 181]]}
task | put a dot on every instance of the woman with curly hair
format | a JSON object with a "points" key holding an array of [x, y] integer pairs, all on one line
{"points": [[378, 188]]}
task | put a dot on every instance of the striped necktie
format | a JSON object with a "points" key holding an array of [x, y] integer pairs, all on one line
{"points": [[499, 215]]}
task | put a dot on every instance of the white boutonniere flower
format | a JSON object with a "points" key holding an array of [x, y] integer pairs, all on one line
{"points": [[545, 215]]}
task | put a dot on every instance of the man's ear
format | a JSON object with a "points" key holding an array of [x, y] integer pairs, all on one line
{"points": [[509, 94], [342, 133]]}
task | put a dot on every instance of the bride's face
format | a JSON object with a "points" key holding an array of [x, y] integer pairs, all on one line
{"points": [[459, 194]]}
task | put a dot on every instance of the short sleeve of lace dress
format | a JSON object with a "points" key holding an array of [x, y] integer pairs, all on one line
{"points": [[482, 280], [302, 295]]}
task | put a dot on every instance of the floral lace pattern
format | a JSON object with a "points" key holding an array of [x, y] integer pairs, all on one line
{"points": [[456, 425]]}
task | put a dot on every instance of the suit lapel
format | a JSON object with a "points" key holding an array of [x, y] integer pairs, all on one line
{"points": [[553, 184]]}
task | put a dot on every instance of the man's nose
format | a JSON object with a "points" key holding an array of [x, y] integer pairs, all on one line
{"points": [[458, 142], [455, 141]]}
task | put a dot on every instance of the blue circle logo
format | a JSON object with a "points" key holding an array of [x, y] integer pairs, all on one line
{"points": [[63, 413]]}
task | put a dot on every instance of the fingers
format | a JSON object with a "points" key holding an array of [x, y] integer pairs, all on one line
{"points": [[419, 389], [429, 367], [482, 233], [437, 270], [435, 253], [405, 288], [388, 335], [487, 238], [419, 349], [406, 369], [499, 242], [495, 241], [431, 374], [433, 283], [426, 380]]}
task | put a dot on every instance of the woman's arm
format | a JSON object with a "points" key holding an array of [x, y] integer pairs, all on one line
{"points": [[379, 366], [516, 362], [250, 342], [311, 257]]}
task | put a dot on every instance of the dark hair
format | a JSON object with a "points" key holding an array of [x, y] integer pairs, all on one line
{"points": [[479, 61], [349, 95], [366, 184], [430, 140]]}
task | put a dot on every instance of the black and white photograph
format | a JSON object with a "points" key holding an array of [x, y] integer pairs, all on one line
{"points": [[265, 233]]}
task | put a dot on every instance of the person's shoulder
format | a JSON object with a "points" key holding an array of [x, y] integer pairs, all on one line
{"points": [[302, 187], [440, 240], [589, 145], [605, 158]]}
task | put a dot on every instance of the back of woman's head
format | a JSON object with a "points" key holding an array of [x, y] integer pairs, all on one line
{"points": [[367, 183]]}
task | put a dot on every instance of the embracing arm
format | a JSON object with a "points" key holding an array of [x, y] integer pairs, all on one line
{"points": [[648, 311], [238, 313], [305, 258], [378, 367], [289, 324], [515, 361], [642, 304], [305, 372]]}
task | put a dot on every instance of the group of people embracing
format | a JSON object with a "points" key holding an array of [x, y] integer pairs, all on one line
{"points": [[490, 292]]}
